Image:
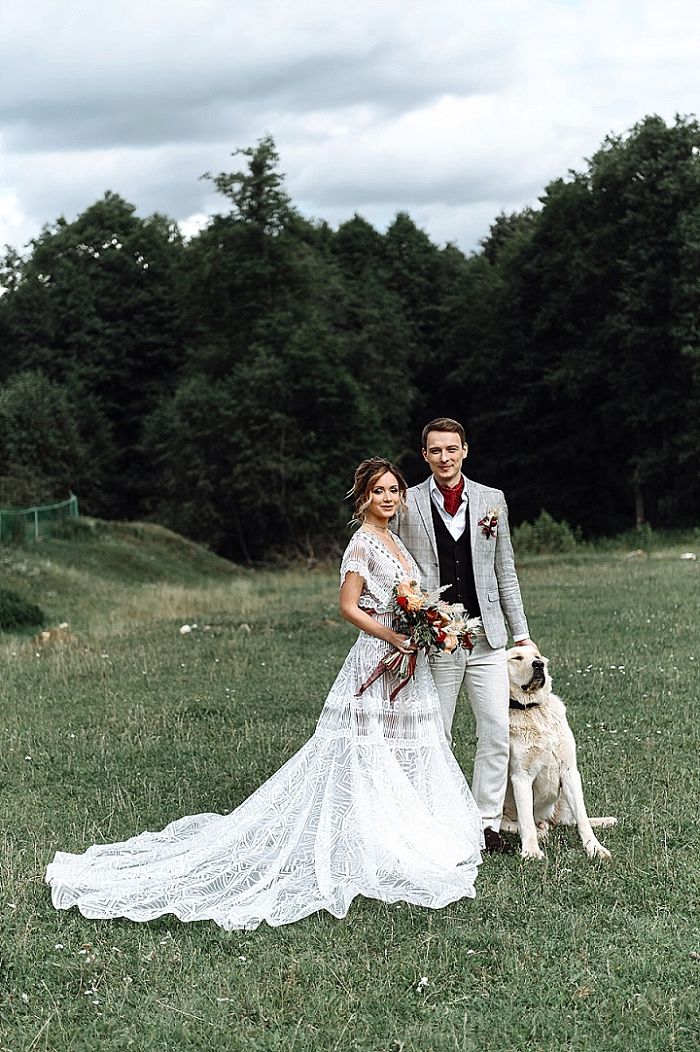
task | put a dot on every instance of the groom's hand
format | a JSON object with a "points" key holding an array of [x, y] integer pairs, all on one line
{"points": [[525, 643]]}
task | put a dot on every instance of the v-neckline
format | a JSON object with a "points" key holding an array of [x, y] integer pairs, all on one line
{"points": [[404, 566]]}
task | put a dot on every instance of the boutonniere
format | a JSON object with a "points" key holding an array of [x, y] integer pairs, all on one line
{"points": [[489, 523]]}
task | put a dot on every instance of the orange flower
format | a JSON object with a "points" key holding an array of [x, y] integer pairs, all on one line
{"points": [[413, 599]]}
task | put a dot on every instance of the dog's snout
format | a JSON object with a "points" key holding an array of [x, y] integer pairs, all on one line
{"points": [[538, 666]]}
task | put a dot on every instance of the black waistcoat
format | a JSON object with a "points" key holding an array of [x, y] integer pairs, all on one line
{"points": [[455, 559]]}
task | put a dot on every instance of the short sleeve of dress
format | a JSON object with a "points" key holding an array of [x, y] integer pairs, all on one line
{"points": [[355, 559]]}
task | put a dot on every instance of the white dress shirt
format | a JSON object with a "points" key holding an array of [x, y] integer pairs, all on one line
{"points": [[457, 523]]}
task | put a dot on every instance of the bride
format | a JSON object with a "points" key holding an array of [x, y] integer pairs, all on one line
{"points": [[373, 804]]}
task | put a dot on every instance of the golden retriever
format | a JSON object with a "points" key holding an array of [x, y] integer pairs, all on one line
{"points": [[544, 784]]}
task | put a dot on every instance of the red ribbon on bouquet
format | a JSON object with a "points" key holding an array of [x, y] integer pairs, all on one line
{"points": [[392, 664]]}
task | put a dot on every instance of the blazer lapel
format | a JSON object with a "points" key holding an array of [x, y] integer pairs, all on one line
{"points": [[474, 515], [423, 503]]}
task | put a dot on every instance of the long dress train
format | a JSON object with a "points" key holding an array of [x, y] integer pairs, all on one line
{"points": [[373, 804]]}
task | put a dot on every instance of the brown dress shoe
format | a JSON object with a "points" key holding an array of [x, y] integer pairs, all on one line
{"points": [[495, 844]]}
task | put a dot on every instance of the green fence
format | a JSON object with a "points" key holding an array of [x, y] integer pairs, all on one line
{"points": [[29, 524]]}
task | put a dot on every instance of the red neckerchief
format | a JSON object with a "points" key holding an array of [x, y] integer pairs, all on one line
{"points": [[452, 496]]}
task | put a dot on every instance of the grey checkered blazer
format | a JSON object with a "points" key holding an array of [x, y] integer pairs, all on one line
{"points": [[496, 581]]}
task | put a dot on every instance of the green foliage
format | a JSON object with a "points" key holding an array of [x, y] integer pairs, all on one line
{"points": [[41, 450], [256, 193], [96, 308], [228, 385], [277, 402], [597, 347], [17, 613], [544, 536], [644, 536], [75, 529]]}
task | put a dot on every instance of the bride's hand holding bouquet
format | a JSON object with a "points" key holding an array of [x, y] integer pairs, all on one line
{"points": [[422, 621]]}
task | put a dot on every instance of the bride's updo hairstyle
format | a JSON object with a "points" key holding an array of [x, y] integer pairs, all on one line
{"points": [[366, 475]]}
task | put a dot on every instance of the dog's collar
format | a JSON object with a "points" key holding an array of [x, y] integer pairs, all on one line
{"points": [[519, 705]]}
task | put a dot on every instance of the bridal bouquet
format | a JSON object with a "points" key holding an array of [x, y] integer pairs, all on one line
{"points": [[431, 624]]}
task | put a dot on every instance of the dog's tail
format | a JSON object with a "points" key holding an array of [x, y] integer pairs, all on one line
{"points": [[603, 823]]}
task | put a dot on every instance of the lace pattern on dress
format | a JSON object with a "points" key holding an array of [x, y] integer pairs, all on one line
{"points": [[380, 570]]}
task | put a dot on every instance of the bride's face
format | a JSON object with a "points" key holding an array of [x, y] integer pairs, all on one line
{"points": [[385, 497]]}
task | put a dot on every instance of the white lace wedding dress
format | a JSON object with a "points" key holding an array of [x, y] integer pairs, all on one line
{"points": [[374, 804]]}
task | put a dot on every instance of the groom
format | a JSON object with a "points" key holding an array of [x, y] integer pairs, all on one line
{"points": [[457, 531]]}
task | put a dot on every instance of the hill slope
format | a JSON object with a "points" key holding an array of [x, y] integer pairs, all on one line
{"points": [[98, 568]]}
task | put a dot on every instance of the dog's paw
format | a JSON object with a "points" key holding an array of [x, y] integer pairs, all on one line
{"points": [[594, 849], [532, 851]]}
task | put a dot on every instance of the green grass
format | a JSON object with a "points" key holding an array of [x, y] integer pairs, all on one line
{"points": [[135, 725]]}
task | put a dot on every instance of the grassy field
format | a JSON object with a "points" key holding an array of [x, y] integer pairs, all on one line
{"points": [[137, 724]]}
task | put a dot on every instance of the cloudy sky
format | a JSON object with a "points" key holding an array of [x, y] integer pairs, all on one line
{"points": [[452, 110]]}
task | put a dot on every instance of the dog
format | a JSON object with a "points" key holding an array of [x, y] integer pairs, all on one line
{"points": [[544, 784]]}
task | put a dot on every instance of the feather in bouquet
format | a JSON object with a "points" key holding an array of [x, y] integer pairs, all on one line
{"points": [[431, 624]]}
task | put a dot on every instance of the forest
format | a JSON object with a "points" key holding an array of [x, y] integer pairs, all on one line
{"points": [[227, 384]]}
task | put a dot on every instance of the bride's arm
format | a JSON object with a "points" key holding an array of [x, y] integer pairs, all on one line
{"points": [[350, 592]]}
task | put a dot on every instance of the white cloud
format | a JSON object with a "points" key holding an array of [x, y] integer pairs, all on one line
{"points": [[190, 226], [451, 110], [14, 224]]}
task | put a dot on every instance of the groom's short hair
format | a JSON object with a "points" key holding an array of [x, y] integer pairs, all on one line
{"points": [[443, 423]]}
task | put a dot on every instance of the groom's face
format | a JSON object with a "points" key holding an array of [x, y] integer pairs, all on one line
{"points": [[444, 454]]}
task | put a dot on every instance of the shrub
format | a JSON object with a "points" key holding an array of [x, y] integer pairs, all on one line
{"points": [[39, 439], [16, 612], [544, 536], [72, 529]]}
